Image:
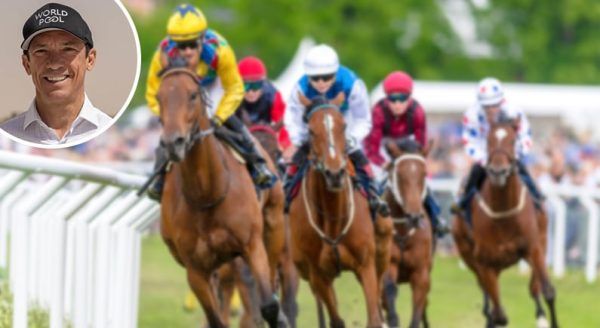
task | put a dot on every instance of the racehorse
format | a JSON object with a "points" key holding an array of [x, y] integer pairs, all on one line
{"points": [[210, 211], [412, 250], [505, 227], [235, 275], [331, 224]]}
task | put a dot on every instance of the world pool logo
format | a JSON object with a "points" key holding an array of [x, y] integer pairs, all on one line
{"points": [[51, 16]]}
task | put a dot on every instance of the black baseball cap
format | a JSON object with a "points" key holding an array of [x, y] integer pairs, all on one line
{"points": [[54, 16]]}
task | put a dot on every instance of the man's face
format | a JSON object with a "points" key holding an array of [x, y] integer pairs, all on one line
{"points": [[322, 83], [492, 112], [190, 51], [57, 63], [253, 91], [398, 103]]}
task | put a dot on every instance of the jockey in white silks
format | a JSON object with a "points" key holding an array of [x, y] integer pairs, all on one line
{"points": [[490, 105]]}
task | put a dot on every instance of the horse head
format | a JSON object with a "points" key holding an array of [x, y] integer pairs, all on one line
{"points": [[501, 142], [406, 176], [183, 113], [328, 142]]}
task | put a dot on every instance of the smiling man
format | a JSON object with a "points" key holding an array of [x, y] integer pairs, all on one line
{"points": [[57, 52]]}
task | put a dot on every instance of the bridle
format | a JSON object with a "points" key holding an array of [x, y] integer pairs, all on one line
{"points": [[504, 173], [197, 134], [413, 221]]}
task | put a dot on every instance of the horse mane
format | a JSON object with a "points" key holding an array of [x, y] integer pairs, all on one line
{"points": [[408, 145], [179, 65]]}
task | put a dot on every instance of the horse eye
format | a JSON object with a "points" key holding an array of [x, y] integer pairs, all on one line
{"points": [[194, 96]]}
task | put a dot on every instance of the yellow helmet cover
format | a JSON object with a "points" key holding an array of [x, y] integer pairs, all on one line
{"points": [[186, 23]]}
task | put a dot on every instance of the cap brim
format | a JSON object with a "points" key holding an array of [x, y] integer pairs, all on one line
{"points": [[26, 42]]}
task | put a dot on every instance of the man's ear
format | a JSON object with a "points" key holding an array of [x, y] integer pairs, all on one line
{"points": [[25, 62], [91, 60]]}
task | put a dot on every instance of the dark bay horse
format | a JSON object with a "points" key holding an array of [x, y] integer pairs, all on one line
{"points": [[210, 211], [412, 250], [236, 275], [331, 224], [506, 227]]}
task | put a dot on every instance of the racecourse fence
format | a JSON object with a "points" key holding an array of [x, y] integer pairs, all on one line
{"points": [[70, 237], [75, 234]]}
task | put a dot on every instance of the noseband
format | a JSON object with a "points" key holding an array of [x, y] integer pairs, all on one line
{"points": [[505, 173]]}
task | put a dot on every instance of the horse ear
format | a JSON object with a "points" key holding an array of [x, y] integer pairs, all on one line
{"points": [[392, 149], [304, 100], [428, 147], [339, 99]]}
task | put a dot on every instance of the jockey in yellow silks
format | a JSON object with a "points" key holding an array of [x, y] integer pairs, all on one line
{"points": [[209, 55]]}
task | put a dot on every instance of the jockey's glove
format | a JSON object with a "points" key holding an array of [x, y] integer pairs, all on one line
{"points": [[216, 122]]}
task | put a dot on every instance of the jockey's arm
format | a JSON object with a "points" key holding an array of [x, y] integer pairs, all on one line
{"points": [[372, 143], [472, 136], [292, 119], [359, 114], [233, 86], [420, 126], [277, 112], [153, 83]]}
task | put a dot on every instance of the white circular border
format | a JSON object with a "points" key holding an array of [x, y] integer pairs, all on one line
{"points": [[119, 113]]}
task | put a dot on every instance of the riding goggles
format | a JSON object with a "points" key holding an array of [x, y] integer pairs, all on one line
{"points": [[188, 44], [401, 97], [324, 77], [253, 86]]}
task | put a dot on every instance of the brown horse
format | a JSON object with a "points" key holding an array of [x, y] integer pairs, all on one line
{"points": [[236, 275], [506, 227], [331, 223], [412, 250], [210, 213]]}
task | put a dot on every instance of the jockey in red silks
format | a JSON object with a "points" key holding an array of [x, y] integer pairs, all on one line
{"points": [[397, 116], [491, 104], [262, 103]]}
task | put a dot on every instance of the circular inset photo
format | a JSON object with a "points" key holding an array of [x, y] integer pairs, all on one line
{"points": [[68, 69]]}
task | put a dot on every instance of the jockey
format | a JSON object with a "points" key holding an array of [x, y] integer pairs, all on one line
{"points": [[398, 116], [262, 104], [476, 124], [325, 77], [209, 55]]}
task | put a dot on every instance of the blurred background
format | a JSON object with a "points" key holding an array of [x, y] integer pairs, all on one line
{"points": [[546, 52]]}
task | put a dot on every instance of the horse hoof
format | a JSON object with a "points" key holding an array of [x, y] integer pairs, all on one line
{"points": [[542, 322]]}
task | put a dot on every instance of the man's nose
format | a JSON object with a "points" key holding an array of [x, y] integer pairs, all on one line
{"points": [[55, 60]]}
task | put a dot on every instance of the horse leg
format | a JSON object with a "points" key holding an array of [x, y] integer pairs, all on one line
{"points": [[274, 237], [425, 319], [536, 260], [256, 257], [540, 315], [368, 279], [322, 287], [420, 284], [289, 288], [200, 284], [390, 292], [225, 287], [489, 282], [248, 294], [320, 314]]}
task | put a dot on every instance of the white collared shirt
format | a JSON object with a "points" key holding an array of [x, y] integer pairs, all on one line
{"points": [[29, 126]]}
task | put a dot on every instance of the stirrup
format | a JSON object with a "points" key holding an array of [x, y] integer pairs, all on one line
{"points": [[154, 191]]}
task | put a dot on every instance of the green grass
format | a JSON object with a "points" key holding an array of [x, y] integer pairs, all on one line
{"points": [[455, 300]]}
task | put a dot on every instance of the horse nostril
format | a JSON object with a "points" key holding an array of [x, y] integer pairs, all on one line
{"points": [[179, 141]]}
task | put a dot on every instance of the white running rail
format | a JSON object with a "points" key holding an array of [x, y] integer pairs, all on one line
{"points": [[74, 240]]}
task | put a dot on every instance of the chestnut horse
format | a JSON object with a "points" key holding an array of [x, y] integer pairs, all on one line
{"points": [[506, 227], [236, 275], [210, 213], [412, 250], [331, 224]]}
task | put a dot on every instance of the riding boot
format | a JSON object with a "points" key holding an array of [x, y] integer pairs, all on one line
{"points": [[439, 226], [366, 179], [538, 196], [262, 176], [474, 183], [290, 179], [155, 189]]}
